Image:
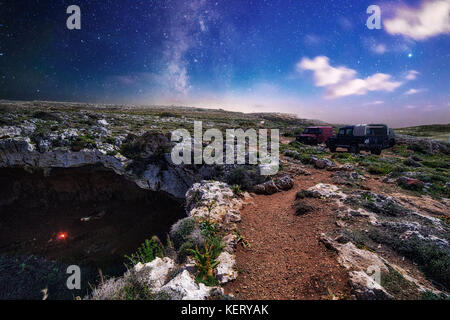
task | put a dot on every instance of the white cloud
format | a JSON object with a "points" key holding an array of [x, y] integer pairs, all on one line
{"points": [[431, 19], [373, 103], [342, 81], [324, 74], [412, 74], [413, 91]]}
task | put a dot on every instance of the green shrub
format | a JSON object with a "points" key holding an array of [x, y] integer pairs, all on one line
{"points": [[428, 295], [236, 190], [181, 231], [134, 290], [207, 228], [82, 142], [437, 163], [205, 261], [183, 251], [398, 286], [245, 176], [147, 252], [379, 169], [302, 194], [434, 260]]}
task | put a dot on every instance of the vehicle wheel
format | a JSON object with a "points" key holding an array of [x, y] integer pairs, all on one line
{"points": [[375, 151], [354, 149], [332, 148], [392, 143]]}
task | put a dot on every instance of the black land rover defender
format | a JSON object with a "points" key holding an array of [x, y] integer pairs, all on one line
{"points": [[370, 137]]}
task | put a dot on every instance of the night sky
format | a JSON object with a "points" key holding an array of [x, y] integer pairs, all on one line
{"points": [[314, 58]]}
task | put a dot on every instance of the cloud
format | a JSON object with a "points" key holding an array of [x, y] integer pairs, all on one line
{"points": [[413, 91], [373, 103], [412, 74], [342, 81], [431, 19], [324, 74]]}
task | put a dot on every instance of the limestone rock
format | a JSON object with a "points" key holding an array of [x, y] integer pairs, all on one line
{"points": [[267, 188], [323, 163], [154, 273], [284, 183], [327, 191], [366, 288], [225, 269], [184, 287]]}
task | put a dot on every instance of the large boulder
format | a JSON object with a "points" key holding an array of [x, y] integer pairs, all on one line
{"points": [[154, 273], [323, 163], [266, 188], [365, 287], [284, 183], [225, 271]]}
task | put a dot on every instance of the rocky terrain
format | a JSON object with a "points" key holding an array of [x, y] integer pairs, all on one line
{"points": [[327, 226], [383, 220]]}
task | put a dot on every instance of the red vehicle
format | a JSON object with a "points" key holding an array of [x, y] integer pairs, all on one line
{"points": [[315, 135]]}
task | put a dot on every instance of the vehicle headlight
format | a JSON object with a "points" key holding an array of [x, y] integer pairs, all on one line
{"points": [[366, 141]]}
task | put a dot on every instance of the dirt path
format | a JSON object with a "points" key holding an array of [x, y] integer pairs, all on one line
{"points": [[285, 259]]}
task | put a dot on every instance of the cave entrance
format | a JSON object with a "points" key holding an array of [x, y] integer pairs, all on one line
{"points": [[88, 216]]}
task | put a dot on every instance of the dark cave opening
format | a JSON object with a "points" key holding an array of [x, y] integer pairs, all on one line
{"points": [[88, 216]]}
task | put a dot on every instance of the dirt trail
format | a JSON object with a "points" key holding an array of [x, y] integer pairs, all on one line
{"points": [[285, 259]]}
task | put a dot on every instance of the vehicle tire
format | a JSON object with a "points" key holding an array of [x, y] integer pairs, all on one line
{"points": [[375, 151], [332, 148], [354, 149], [392, 143]]}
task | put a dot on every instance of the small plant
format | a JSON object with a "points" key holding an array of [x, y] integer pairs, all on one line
{"points": [[241, 240], [236, 190], [134, 290], [183, 251], [147, 252], [83, 141], [208, 228], [205, 262], [210, 205], [368, 197]]}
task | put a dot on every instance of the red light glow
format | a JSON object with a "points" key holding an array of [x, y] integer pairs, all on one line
{"points": [[62, 236]]}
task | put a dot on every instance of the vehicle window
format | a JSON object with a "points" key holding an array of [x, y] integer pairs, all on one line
{"points": [[349, 132], [342, 132], [376, 131], [312, 131]]}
